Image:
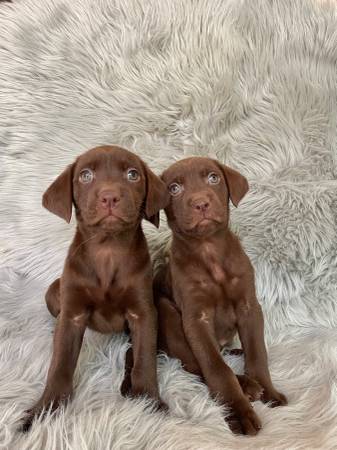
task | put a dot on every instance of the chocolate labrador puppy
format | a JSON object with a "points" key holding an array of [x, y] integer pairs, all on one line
{"points": [[206, 293], [106, 284]]}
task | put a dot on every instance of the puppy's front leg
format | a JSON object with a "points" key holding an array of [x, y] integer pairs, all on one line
{"points": [[222, 382], [142, 322], [251, 332], [68, 337]]}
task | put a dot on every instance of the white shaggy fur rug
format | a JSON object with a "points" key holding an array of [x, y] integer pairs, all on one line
{"points": [[253, 82]]}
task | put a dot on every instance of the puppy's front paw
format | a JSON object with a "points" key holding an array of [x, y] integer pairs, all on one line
{"points": [[274, 398], [244, 421], [28, 419], [161, 406], [251, 388], [158, 404], [126, 386], [42, 407], [127, 390], [33, 413]]}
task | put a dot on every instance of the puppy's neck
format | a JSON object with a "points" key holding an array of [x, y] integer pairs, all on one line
{"points": [[87, 237], [191, 244]]}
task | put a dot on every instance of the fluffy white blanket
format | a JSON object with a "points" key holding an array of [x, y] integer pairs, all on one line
{"points": [[253, 82]]}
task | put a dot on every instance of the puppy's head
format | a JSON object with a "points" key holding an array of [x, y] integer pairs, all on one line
{"points": [[200, 189], [112, 189]]}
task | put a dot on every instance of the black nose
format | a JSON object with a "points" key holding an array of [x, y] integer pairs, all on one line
{"points": [[200, 204], [109, 199]]}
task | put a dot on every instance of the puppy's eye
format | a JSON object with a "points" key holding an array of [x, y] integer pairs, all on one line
{"points": [[175, 188], [213, 178], [133, 175], [86, 176]]}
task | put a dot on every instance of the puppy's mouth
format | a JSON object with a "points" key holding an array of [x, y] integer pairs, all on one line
{"points": [[109, 219], [203, 224], [205, 221], [112, 215]]}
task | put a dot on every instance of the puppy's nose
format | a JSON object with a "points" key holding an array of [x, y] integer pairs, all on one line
{"points": [[109, 199], [200, 204]]}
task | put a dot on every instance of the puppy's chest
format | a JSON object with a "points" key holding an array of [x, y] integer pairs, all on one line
{"points": [[107, 294], [113, 272], [213, 263], [215, 271], [105, 268]]}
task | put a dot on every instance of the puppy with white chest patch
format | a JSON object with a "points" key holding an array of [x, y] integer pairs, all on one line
{"points": [[206, 293], [106, 284]]}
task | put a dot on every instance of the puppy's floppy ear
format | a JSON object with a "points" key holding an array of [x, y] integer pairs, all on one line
{"points": [[58, 198], [157, 196], [237, 184]]}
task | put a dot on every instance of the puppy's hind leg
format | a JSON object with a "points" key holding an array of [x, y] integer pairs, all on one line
{"points": [[171, 336], [53, 298]]}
